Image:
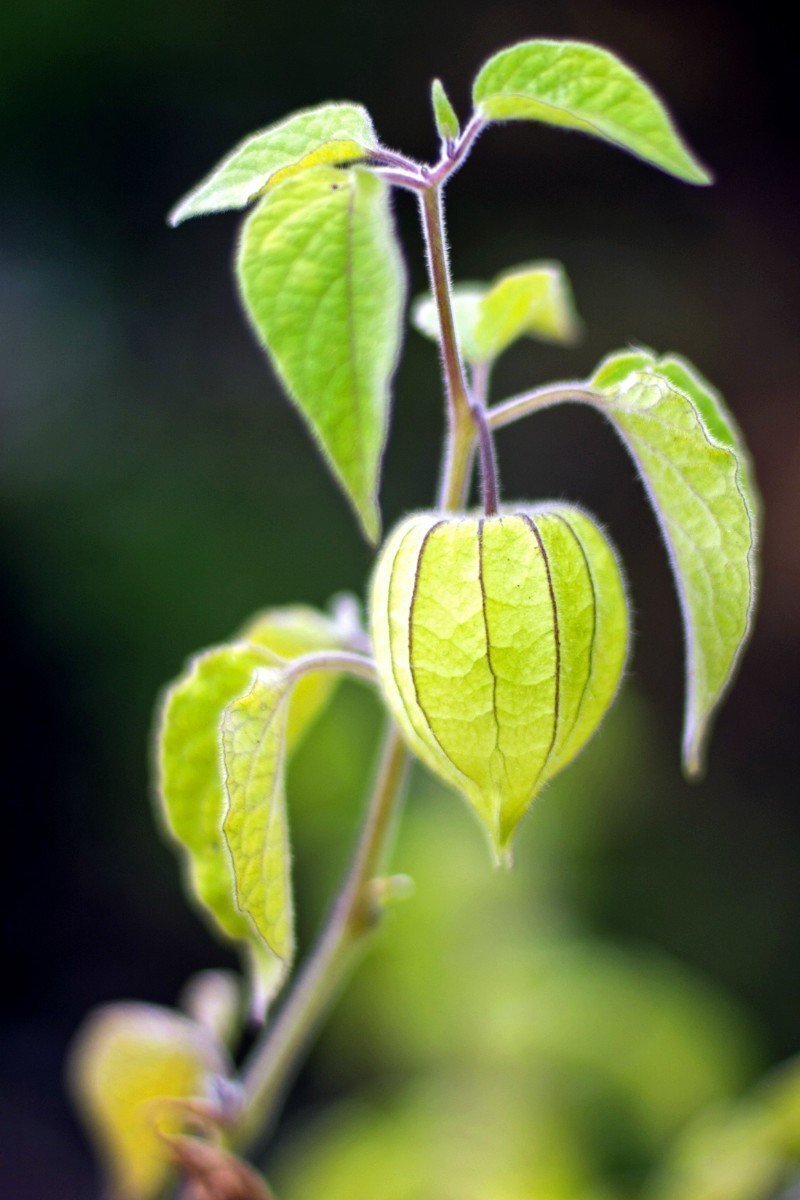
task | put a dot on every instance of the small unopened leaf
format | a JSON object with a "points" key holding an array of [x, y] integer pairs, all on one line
{"points": [[329, 133], [322, 282], [535, 301], [447, 125], [697, 473], [580, 86], [128, 1062], [255, 827], [499, 644]]}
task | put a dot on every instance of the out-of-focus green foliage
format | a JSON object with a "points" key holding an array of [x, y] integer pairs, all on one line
{"points": [[534, 301], [510, 1048], [130, 1068]]}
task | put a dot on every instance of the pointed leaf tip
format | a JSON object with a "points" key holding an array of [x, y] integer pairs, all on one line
{"points": [[329, 133], [323, 284], [577, 85]]}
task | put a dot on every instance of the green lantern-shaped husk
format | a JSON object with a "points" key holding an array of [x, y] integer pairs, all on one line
{"points": [[500, 643]]}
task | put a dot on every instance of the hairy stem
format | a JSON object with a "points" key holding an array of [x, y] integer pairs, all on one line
{"points": [[439, 272], [360, 666], [275, 1057], [490, 484], [512, 410]]}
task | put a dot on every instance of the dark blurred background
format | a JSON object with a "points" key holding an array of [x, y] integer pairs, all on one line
{"points": [[155, 489]]}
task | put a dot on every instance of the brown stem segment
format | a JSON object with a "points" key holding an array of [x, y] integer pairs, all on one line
{"points": [[438, 269]]}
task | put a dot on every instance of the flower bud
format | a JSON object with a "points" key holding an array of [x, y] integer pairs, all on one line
{"points": [[500, 642]]}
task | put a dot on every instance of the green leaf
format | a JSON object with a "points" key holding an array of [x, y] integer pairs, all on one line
{"points": [[255, 827], [535, 300], [329, 133], [447, 125], [698, 477], [580, 86], [323, 284], [190, 782], [499, 643], [191, 789], [129, 1062]]}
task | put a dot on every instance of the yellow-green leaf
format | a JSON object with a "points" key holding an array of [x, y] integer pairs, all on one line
{"points": [[329, 133], [128, 1061], [255, 826], [698, 477], [190, 781], [322, 281], [499, 643], [580, 86], [535, 300]]}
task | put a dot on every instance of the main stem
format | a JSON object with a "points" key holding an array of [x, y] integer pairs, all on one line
{"points": [[466, 415], [354, 913], [275, 1056]]}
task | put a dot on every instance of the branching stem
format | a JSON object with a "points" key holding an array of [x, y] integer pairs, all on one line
{"points": [[509, 411]]}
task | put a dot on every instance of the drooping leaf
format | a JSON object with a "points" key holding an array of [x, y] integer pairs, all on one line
{"points": [[329, 133], [255, 827], [697, 474], [190, 781], [447, 124], [322, 282], [580, 86], [535, 300], [191, 791], [499, 643], [127, 1060]]}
